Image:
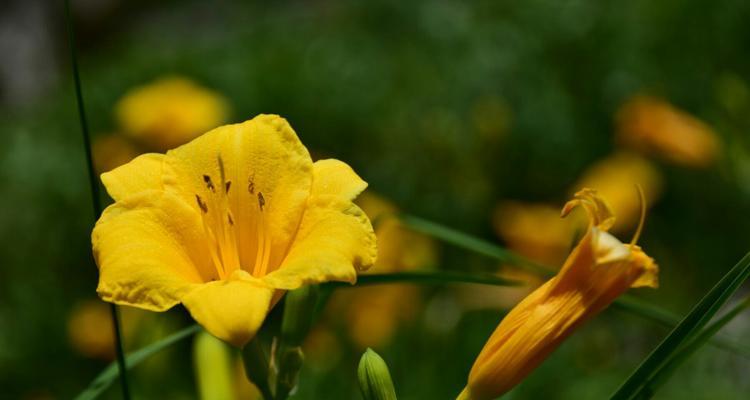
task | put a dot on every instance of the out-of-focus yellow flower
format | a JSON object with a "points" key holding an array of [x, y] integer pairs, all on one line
{"points": [[534, 230], [243, 388], [373, 314], [169, 112], [110, 151], [322, 348], [399, 248], [228, 222], [90, 330], [615, 178], [599, 269], [653, 125]]}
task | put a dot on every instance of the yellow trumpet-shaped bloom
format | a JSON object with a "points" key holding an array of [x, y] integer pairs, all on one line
{"points": [[599, 269], [228, 222], [169, 112]]}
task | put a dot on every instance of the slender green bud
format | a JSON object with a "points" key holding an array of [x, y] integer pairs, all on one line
{"points": [[374, 377], [299, 308]]}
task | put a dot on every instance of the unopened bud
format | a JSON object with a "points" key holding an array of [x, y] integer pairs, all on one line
{"points": [[374, 377]]}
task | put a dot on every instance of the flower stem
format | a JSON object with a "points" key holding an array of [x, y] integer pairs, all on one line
{"points": [[94, 185]]}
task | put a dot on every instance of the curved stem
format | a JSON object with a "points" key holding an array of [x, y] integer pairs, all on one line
{"points": [[94, 185]]}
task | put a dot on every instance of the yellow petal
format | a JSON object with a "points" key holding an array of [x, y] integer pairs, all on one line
{"points": [[334, 241], [150, 250], [336, 178], [232, 310], [261, 165], [141, 174]]}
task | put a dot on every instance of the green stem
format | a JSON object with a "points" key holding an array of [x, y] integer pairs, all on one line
{"points": [[94, 185]]}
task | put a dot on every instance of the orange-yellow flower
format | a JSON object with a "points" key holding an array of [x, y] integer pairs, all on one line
{"points": [[653, 125], [599, 269], [534, 230], [615, 177], [228, 222], [169, 112]]}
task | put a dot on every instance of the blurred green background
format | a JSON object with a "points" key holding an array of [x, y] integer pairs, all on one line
{"points": [[445, 107]]}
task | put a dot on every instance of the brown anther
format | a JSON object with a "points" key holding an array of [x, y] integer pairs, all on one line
{"points": [[261, 201], [209, 183], [202, 205], [250, 185], [230, 220], [227, 185]]}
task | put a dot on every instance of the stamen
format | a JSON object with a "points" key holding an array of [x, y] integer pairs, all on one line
{"points": [[227, 185], [250, 185], [642, 198], [263, 255], [213, 246]]}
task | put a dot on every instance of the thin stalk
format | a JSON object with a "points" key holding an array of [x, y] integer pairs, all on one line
{"points": [[94, 186]]}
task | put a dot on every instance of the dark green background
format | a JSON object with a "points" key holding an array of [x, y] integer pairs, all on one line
{"points": [[389, 87]]}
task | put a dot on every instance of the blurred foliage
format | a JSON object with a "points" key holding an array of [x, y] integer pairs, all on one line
{"points": [[445, 107]]}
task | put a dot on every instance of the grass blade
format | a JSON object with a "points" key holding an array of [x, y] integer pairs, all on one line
{"points": [[667, 370], [94, 186], [106, 377], [428, 278], [472, 243], [692, 323]]}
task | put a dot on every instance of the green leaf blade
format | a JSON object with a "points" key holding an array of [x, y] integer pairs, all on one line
{"points": [[105, 378], [694, 321]]}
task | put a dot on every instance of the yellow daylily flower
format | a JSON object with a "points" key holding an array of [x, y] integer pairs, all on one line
{"points": [[615, 177], [599, 269], [169, 112], [228, 222], [653, 125]]}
